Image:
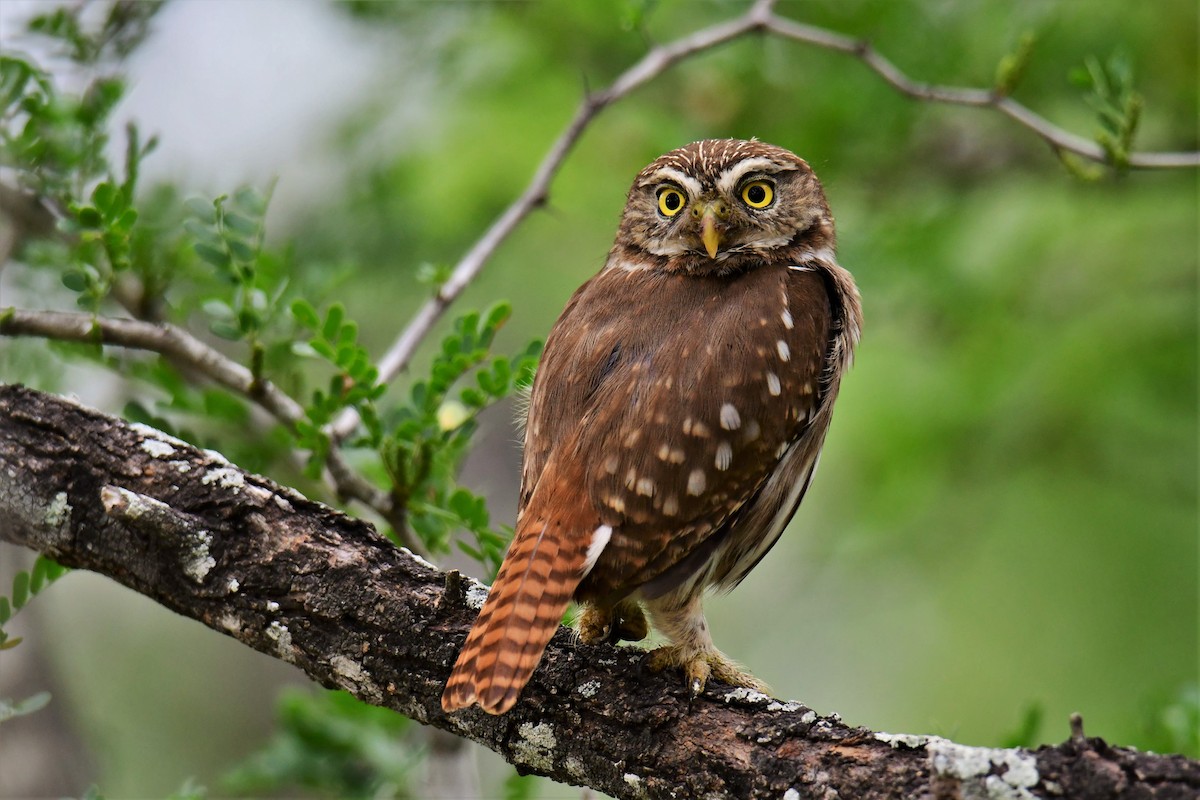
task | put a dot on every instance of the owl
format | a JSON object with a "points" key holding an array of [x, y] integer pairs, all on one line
{"points": [[676, 418]]}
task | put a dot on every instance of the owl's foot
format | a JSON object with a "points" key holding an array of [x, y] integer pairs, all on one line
{"points": [[624, 622], [700, 665]]}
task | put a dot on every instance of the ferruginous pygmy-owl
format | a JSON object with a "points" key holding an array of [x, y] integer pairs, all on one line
{"points": [[676, 418]]}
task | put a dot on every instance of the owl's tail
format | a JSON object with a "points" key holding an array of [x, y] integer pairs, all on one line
{"points": [[543, 566]]}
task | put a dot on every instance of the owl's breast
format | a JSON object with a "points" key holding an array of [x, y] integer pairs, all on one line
{"points": [[685, 394]]}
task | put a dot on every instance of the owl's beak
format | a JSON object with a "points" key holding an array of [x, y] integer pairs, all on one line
{"points": [[710, 214]]}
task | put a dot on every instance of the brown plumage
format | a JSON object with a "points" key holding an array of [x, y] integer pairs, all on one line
{"points": [[676, 418]]}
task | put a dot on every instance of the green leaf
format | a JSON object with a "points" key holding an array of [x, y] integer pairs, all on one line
{"points": [[240, 224], [305, 314], [241, 251], [250, 201], [20, 590], [103, 197], [333, 322], [5, 610], [203, 210], [75, 280], [9, 709], [89, 217], [212, 255]]}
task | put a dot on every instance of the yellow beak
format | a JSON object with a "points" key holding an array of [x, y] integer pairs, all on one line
{"points": [[708, 230]]}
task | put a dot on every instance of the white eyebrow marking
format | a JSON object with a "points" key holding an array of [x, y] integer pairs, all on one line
{"points": [[732, 176], [675, 176]]}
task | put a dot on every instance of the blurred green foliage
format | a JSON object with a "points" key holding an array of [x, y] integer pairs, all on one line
{"points": [[1005, 525], [331, 743]]}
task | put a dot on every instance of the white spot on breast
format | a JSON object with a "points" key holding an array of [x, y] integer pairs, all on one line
{"points": [[600, 538], [807, 388], [784, 351], [630, 478], [616, 503], [610, 465], [696, 482], [730, 419], [773, 384], [664, 452], [645, 487], [786, 316], [632, 437], [671, 506], [724, 456], [753, 431], [676, 457]]}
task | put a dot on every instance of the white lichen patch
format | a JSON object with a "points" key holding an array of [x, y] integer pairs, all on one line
{"points": [[272, 606], [148, 433], [231, 623], [1017, 771], [233, 586], [476, 595], [278, 633], [791, 794], [215, 457], [199, 561], [181, 466], [58, 513], [535, 745], [589, 689], [897, 740], [808, 717], [157, 448], [225, 477], [259, 493], [575, 768], [635, 782], [743, 694], [790, 705], [417, 558], [351, 676]]}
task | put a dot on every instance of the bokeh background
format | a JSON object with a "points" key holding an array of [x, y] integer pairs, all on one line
{"points": [[1004, 527]]}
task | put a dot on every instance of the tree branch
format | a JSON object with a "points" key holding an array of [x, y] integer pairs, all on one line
{"points": [[306, 584], [760, 18], [184, 349]]}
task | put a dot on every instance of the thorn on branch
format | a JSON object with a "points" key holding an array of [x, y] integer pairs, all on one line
{"points": [[1077, 734], [453, 594]]}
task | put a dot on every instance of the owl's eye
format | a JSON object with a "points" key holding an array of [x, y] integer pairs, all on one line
{"points": [[758, 194], [670, 201]]}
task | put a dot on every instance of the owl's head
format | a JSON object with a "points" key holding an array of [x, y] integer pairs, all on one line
{"points": [[723, 205]]}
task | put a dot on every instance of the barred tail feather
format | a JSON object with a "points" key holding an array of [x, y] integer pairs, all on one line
{"points": [[539, 574]]}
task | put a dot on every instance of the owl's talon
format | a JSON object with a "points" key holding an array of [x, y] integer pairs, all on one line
{"points": [[698, 667]]}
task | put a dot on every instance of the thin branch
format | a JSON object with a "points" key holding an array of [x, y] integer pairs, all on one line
{"points": [[759, 18], [1057, 137], [653, 64], [183, 348], [323, 591]]}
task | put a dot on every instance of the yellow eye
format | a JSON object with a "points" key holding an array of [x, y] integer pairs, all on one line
{"points": [[670, 201], [758, 194]]}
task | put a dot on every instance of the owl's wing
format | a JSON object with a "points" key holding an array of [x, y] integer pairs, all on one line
{"points": [[676, 398]]}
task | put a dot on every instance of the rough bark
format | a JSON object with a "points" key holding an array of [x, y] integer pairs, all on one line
{"points": [[321, 590]]}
